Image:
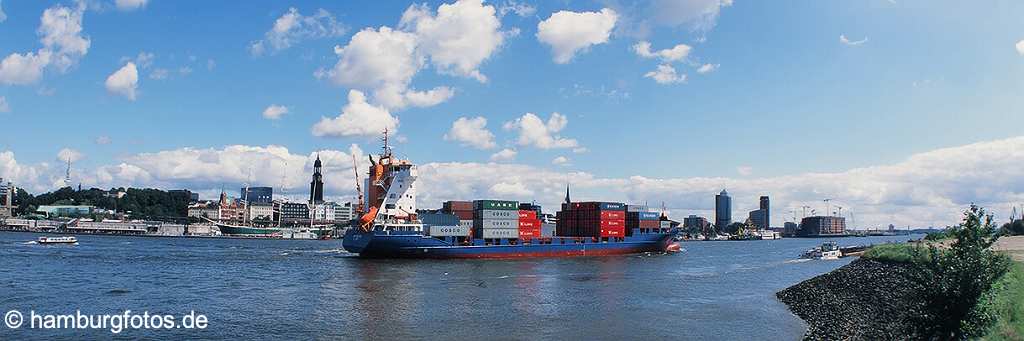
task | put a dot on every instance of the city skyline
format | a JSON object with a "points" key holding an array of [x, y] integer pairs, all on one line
{"points": [[650, 103]]}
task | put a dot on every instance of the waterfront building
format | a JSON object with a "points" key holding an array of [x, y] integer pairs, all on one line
{"points": [[316, 187], [759, 218], [723, 210], [790, 229], [261, 211], [822, 226], [343, 213], [263, 195], [65, 210], [698, 223], [6, 199], [293, 213], [764, 206], [204, 209], [323, 213]]}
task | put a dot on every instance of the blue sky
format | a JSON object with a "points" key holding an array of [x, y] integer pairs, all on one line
{"points": [[785, 97]]}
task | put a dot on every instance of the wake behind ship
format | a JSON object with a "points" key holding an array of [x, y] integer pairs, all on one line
{"points": [[389, 227]]}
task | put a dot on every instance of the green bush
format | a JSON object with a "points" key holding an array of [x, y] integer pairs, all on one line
{"points": [[1016, 228], [953, 282]]}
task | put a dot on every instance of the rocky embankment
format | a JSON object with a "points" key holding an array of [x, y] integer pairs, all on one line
{"points": [[864, 300]]}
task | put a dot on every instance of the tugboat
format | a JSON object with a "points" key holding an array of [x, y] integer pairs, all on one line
{"points": [[57, 240], [827, 251]]}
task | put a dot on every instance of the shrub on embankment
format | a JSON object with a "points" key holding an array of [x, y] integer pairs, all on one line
{"points": [[1007, 301], [918, 292]]}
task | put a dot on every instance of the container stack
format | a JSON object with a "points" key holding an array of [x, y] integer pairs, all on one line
{"points": [[529, 225], [592, 219], [496, 219], [461, 209], [642, 220]]}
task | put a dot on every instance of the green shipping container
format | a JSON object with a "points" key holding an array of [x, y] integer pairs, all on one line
{"points": [[495, 205]]}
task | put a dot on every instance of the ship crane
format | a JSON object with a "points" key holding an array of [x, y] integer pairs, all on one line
{"points": [[359, 188]]}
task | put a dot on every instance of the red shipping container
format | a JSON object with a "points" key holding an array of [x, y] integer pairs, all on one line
{"points": [[649, 224], [529, 223], [529, 233], [620, 223], [613, 215], [463, 215], [524, 214], [613, 232]]}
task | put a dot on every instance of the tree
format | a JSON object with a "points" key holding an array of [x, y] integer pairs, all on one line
{"points": [[953, 281], [1015, 228]]}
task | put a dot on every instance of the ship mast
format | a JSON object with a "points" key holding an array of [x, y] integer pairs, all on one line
{"points": [[359, 188]]}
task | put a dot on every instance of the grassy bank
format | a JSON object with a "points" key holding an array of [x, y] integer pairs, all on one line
{"points": [[1008, 302], [1006, 297]]}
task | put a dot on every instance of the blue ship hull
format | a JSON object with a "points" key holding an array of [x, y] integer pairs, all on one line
{"points": [[385, 244]]}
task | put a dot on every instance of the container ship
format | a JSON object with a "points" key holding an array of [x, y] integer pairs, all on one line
{"points": [[390, 226]]}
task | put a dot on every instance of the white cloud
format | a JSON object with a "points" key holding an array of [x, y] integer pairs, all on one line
{"points": [[103, 140], [929, 188], [571, 32], [3, 16], [666, 74], [4, 107], [130, 5], [535, 132], [745, 170], [22, 69], [382, 61], [144, 60], [69, 154], [274, 111], [848, 42], [674, 54], [159, 74], [504, 155], [124, 81], [185, 70], [60, 32], [1020, 47], [707, 68], [357, 118], [700, 15], [293, 27], [459, 38], [560, 161], [521, 9], [471, 132]]}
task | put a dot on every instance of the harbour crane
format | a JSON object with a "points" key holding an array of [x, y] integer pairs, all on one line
{"points": [[839, 209], [828, 206], [359, 188]]}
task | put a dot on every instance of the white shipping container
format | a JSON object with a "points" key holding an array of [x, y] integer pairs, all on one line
{"points": [[449, 231], [496, 223], [500, 233], [466, 223], [497, 214], [666, 224]]}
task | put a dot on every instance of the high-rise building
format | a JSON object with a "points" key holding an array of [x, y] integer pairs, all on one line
{"points": [[723, 210], [759, 218], [767, 212], [316, 187], [257, 195], [694, 222]]}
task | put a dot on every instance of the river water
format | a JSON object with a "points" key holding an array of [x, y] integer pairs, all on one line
{"points": [[281, 289]]}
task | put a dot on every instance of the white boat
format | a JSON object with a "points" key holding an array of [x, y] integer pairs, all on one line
{"points": [[57, 240], [827, 251]]}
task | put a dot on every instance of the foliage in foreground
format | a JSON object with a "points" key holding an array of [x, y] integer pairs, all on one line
{"points": [[901, 253], [1006, 301], [954, 282]]}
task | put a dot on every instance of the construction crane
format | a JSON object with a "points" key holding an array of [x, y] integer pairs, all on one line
{"points": [[828, 206], [359, 188], [805, 207], [839, 209]]}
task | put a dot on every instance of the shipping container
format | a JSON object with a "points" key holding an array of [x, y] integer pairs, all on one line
{"points": [[649, 224], [430, 219], [497, 214], [495, 205], [499, 233], [463, 214], [597, 205], [496, 223], [643, 215], [666, 224], [636, 208], [529, 223], [466, 223], [613, 232], [525, 214], [449, 231], [451, 206]]}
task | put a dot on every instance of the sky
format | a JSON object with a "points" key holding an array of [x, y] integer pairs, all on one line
{"points": [[900, 112]]}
